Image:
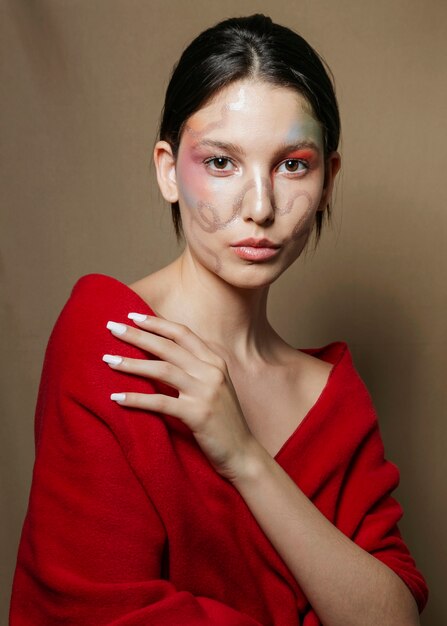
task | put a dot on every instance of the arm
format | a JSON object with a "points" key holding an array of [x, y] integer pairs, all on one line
{"points": [[92, 542], [343, 582]]}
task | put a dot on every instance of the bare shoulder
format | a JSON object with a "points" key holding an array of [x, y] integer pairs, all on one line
{"points": [[313, 364], [143, 286], [309, 373]]}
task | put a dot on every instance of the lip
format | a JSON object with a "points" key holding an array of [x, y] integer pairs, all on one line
{"points": [[256, 243], [253, 253]]}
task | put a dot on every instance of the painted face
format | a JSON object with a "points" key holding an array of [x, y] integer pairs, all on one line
{"points": [[250, 164]]}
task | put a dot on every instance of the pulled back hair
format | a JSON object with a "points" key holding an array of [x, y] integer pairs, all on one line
{"points": [[252, 47]]}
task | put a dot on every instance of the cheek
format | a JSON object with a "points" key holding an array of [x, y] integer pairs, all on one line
{"points": [[297, 208], [190, 183], [298, 200], [197, 186], [209, 200], [305, 207]]}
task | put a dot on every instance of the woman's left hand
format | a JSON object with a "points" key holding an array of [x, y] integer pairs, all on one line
{"points": [[207, 401]]}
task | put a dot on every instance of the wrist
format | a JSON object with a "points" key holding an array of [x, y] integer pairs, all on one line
{"points": [[251, 465]]}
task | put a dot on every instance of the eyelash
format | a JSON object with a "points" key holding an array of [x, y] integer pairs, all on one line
{"points": [[300, 161]]}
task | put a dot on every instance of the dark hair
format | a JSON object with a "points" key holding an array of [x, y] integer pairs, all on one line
{"points": [[247, 47]]}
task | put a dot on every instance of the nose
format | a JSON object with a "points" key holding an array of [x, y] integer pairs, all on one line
{"points": [[257, 201]]}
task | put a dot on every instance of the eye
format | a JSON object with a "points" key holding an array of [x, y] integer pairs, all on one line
{"points": [[219, 161], [297, 166]]}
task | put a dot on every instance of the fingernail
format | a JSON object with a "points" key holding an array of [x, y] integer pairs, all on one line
{"points": [[137, 317], [119, 329], [119, 397], [111, 358]]}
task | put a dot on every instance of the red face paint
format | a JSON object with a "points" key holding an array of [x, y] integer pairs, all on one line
{"points": [[305, 155]]}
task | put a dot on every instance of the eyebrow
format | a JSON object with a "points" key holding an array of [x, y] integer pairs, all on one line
{"points": [[236, 149]]}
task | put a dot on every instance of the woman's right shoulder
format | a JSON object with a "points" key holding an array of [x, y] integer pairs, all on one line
{"points": [[93, 287], [93, 300], [93, 294]]}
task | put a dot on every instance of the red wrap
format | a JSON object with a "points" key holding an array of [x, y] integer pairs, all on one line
{"points": [[128, 524]]}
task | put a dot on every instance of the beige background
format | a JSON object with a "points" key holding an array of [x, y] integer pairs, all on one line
{"points": [[82, 89]]}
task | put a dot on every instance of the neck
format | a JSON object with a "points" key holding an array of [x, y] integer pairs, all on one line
{"points": [[231, 320]]}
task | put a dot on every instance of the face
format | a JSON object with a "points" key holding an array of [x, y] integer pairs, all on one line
{"points": [[250, 164]]}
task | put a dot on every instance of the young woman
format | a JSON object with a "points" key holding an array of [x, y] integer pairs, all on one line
{"points": [[191, 466]]}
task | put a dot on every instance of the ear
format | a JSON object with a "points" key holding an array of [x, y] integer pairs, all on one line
{"points": [[332, 167], [165, 167]]}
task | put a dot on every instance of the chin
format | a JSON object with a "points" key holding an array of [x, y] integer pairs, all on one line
{"points": [[252, 276]]}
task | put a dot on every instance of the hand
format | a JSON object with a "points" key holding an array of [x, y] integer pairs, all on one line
{"points": [[207, 402]]}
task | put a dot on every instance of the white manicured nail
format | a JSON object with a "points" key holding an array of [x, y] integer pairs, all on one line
{"points": [[137, 317], [119, 397], [111, 358], [119, 329]]}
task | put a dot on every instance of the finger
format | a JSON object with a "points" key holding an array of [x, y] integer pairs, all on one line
{"points": [[165, 349], [181, 334], [159, 370], [150, 402]]}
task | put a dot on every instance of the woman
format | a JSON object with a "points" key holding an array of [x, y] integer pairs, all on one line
{"points": [[191, 466]]}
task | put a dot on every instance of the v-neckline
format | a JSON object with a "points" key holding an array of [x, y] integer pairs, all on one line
{"points": [[313, 409]]}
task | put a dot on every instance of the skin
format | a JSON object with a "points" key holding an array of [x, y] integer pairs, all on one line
{"points": [[221, 331]]}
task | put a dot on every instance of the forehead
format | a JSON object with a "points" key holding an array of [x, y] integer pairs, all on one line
{"points": [[251, 111]]}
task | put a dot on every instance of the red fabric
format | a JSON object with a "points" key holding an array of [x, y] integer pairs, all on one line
{"points": [[128, 524]]}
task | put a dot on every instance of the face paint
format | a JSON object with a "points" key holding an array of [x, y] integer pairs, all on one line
{"points": [[215, 199], [303, 155], [306, 126], [213, 221], [240, 102]]}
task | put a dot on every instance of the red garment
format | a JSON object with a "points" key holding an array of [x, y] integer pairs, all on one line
{"points": [[128, 524]]}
